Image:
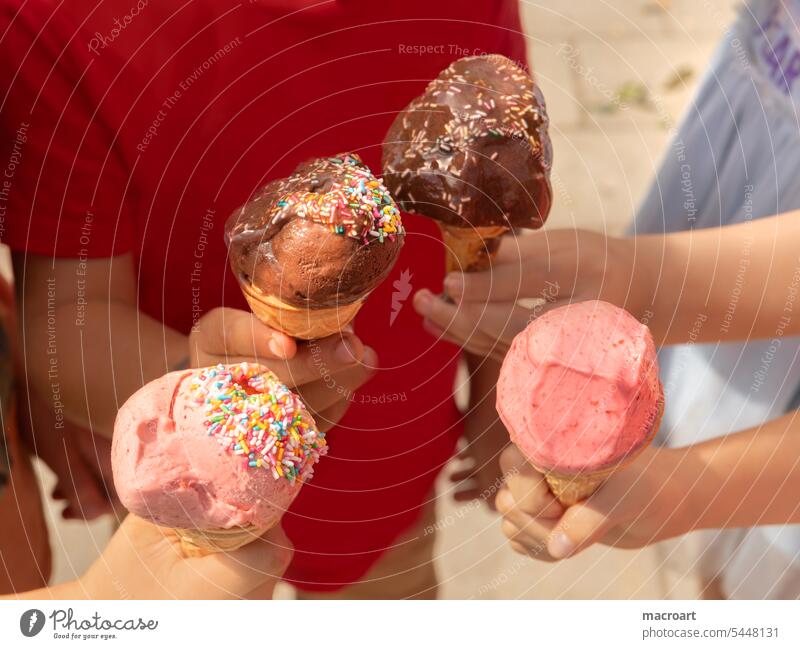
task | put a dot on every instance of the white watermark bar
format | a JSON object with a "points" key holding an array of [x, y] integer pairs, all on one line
{"points": [[463, 624]]}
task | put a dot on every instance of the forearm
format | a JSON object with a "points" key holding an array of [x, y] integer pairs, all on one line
{"points": [[90, 365], [67, 590], [738, 282], [748, 478], [86, 347]]}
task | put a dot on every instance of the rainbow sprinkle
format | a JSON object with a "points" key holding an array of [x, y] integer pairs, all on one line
{"points": [[356, 205], [252, 414]]}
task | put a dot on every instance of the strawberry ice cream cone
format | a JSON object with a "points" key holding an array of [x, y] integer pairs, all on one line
{"points": [[216, 454], [580, 395]]}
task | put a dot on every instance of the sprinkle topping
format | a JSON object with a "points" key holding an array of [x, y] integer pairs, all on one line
{"points": [[482, 118], [354, 204], [252, 414]]}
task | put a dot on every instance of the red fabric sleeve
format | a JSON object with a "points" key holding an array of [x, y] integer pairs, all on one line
{"points": [[62, 185]]}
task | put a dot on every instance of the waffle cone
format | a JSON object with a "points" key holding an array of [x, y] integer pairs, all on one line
{"points": [[570, 489], [471, 249], [199, 543], [297, 322]]}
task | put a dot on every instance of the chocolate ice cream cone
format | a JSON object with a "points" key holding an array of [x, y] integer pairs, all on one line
{"points": [[298, 322], [308, 249], [471, 249]]}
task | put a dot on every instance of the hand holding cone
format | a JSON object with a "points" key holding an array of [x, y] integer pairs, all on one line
{"points": [[580, 395]]}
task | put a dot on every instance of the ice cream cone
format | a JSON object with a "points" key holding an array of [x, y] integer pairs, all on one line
{"points": [[471, 250], [570, 489], [298, 322], [199, 543]]}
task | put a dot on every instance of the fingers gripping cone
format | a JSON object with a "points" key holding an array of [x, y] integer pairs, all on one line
{"points": [[471, 250]]}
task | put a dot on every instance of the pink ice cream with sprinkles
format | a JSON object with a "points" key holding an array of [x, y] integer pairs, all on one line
{"points": [[255, 416], [219, 447]]}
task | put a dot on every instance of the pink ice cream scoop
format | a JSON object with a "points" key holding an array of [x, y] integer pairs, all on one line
{"points": [[222, 448], [579, 390]]}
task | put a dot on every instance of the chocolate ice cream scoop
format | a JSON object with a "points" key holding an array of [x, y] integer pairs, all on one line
{"points": [[322, 238], [473, 150]]}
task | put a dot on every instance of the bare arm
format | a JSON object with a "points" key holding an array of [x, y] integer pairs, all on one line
{"points": [[750, 478], [142, 561], [740, 480], [738, 282], [86, 347]]}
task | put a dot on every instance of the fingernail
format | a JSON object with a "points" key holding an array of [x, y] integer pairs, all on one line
{"points": [[276, 347], [422, 302], [560, 545], [348, 351], [454, 284]]}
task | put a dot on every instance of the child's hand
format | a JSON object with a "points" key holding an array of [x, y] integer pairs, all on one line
{"points": [[143, 561], [640, 504], [553, 267], [478, 476], [324, 372]]}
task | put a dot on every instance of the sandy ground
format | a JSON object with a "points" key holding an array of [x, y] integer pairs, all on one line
{"points": [[617, 75]]}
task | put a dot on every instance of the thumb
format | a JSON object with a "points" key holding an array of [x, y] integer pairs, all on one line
{"points": [[579, 527]]}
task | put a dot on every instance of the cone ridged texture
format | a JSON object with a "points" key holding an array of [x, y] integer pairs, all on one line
{"points": [[199, 543], [471, 250], [297, 322]]}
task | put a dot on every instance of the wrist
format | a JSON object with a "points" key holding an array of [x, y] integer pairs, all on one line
{"points": [[693, 490], [644, 256], [97, 583]]}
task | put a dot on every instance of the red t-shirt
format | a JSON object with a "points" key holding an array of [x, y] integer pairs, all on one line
{"points": [[136, 126]]}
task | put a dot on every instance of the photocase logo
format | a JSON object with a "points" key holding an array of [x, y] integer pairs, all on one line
{"points": [[402, 289], [31, 622]]}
